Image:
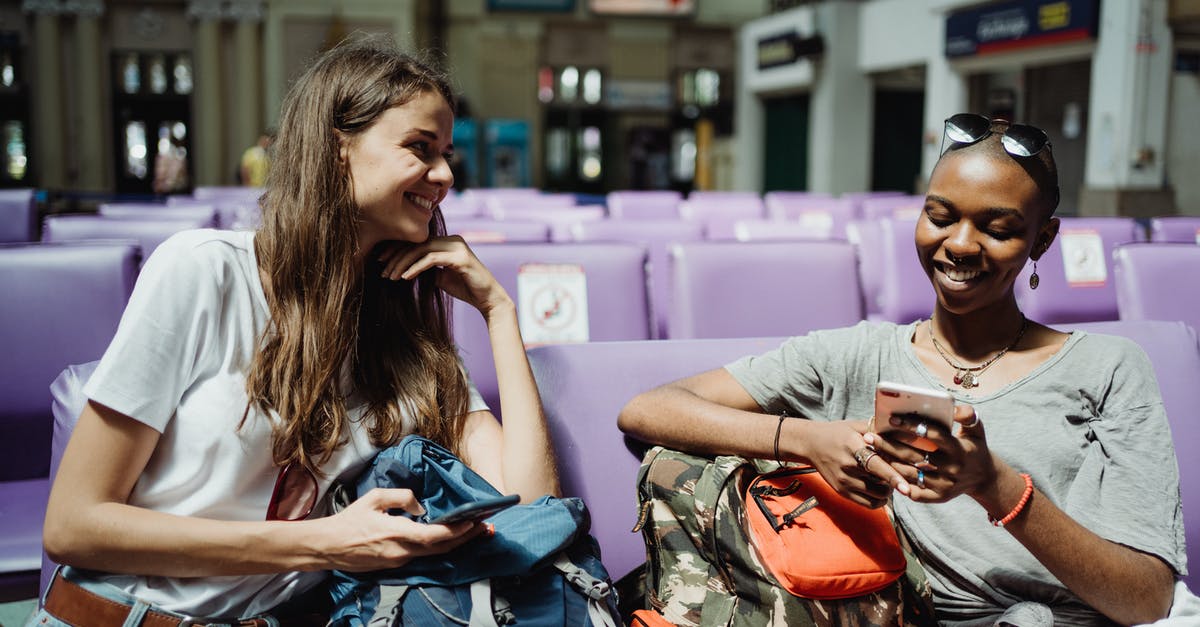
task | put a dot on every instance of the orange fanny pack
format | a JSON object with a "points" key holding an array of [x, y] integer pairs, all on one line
{"points": [[817, 543]]}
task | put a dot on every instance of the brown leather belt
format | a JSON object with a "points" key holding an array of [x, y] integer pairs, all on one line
{"points": [[75, 605]]}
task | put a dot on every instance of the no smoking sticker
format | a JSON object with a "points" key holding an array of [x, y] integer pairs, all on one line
{"points": [[552, 303], [1083, 258]]}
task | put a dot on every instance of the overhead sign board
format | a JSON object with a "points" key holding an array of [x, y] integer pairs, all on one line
{"points": [[1018, 25]]}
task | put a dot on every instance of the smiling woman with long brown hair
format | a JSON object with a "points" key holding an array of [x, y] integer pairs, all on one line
{"points": [[1055, 498], [253, 369]]}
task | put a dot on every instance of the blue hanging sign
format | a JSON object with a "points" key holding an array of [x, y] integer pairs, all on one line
{"points": [[558, 6], [1019, 25]]}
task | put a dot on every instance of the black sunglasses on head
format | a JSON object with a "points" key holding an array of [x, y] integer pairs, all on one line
{"points": [[1019, 140]]}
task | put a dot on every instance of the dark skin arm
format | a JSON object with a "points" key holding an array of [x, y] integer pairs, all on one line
{"points": [[710, 413], [1126, 585]]}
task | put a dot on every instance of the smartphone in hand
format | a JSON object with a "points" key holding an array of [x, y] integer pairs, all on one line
{"points": [[898, 399], [476, 510]]}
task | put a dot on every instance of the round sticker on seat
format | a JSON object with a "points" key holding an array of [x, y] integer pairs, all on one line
{"points": [[552, 303]]}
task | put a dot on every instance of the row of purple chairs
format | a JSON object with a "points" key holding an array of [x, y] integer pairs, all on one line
{"points": [[18, 215], [584, 386], [61, 305], [719, 290]]}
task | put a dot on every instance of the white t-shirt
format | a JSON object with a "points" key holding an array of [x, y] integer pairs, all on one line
{"points": [[177, 364]]}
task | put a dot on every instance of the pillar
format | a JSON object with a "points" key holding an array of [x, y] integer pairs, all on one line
{"points": [[91, 150], [248, 78], [207, 127], [1127, 117], [945, 95], [840, 114], [47, 112]]}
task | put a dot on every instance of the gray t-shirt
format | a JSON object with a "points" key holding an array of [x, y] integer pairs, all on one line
{"points": [[1087, 424]]}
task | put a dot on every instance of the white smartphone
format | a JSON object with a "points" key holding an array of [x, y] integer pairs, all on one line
{"points": [[898, 399]]}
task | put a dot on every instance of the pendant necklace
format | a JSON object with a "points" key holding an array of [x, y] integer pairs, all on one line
{"points": [[968, 377]]}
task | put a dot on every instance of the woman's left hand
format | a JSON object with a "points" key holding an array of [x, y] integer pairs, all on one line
{"points": [[962, 463], [459, 271]]}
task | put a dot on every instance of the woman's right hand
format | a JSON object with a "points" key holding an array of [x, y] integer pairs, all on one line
{"points": [[830, 447], [365, 536]]}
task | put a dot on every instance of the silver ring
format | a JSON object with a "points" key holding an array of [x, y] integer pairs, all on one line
{"points": [[922, 429], [920, 478], [974, 422], [864, 455]]}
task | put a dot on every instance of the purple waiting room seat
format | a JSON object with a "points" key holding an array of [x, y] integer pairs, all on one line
{"points": [[1182, 229], [1158, 281], [483, 230], [644, 204], [901, 207], [148, 233], [1076, 275], [564, 293], [764, 230], [61, 305], [203, 214], [752, 289], [817, 213], [719, 213], [657, 236], [905, 293], [18, 215], [584, 387]]}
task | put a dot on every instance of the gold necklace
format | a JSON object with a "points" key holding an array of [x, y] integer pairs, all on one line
{"points": [[968, 377]]}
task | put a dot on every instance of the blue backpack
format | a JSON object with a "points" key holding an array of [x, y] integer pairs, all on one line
{"points": [[540, 568]]}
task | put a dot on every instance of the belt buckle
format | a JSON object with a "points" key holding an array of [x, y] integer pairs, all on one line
{"points": [[192, 621]]}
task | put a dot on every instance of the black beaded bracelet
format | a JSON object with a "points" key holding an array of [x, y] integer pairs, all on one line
{"points": [[778, 430]]}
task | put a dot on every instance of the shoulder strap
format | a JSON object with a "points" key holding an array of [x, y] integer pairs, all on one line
{"points": [[596, 590], [481, 604], [388, 608]]}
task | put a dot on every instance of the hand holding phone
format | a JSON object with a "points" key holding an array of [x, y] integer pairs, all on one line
{"points": [[898, 399], [476, 510]]}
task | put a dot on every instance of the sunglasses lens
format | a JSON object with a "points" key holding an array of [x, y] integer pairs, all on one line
{"points": [[967, 128], [1023, 140], [294, 496]]}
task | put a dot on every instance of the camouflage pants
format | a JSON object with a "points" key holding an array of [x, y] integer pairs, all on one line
{"points": [[702, 569]]}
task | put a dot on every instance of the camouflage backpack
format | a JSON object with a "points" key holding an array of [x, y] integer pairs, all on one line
{"points": [[702, 569]]}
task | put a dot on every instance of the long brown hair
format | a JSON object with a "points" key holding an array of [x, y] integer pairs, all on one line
{"points": [[337, 328]]}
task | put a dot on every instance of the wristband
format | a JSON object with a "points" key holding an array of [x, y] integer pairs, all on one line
{"points": [[778, 430], [1025, 496]]}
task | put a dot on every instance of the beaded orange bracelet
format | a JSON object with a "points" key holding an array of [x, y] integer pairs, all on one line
{"points": [[1025, 496]]}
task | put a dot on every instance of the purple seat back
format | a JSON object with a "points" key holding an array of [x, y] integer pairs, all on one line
{"points": [[61, 305], [67, 392], [147, 233], [1182, 229], [1076, 276], [644, 205], [867, 238], [616, 307], [759, 230], [18, 215], [656, 236], [1158, 281], [752, 289], [905, 293], [203, 214], [719, 214], [482, 230], [901, 207], [233, 212], [816, 213], [214, 192], [559, 218], [1171, 347], [583, 388]]}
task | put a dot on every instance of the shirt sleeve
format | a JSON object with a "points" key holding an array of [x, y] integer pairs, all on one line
{"points": [[797, 377], [154, 355], [1127, 487]]}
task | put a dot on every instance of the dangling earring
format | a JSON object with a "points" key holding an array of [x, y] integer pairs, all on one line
{"points": [[1033, 278]]}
